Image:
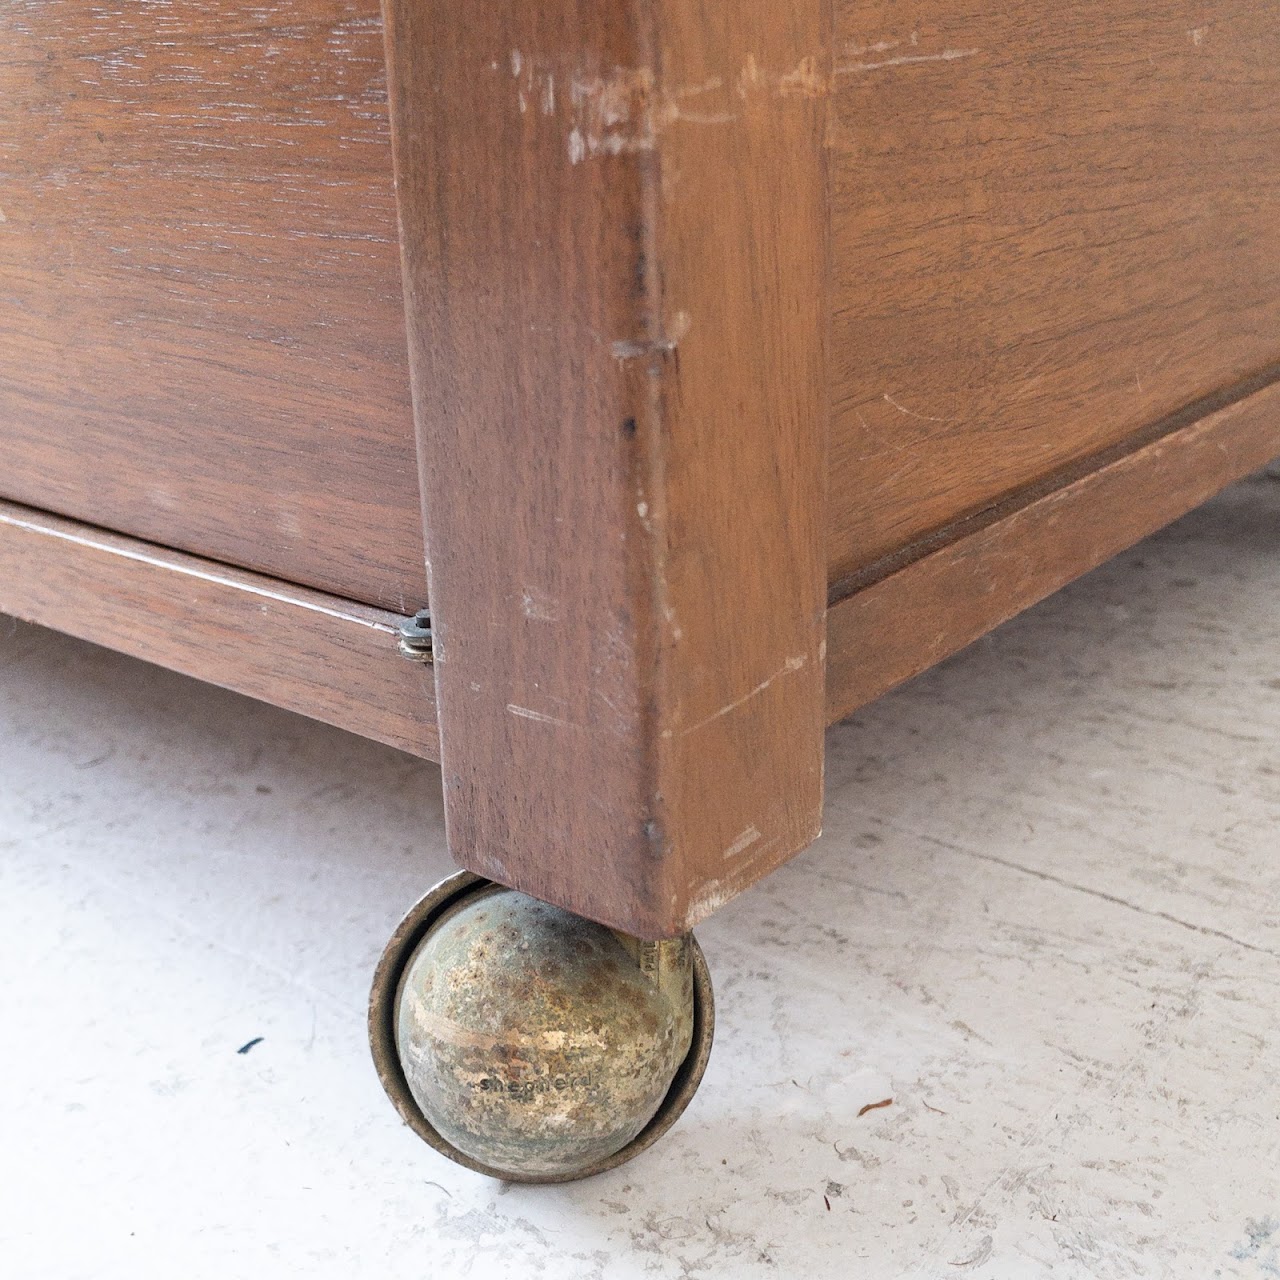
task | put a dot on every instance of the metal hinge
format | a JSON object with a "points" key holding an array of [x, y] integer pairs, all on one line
{"points": [[415, 636]]}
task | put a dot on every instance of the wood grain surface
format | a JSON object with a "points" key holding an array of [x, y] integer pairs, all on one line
{"points": [[300, 649], [1052, 226], [613, 224], [985, 571], [201, 325]]}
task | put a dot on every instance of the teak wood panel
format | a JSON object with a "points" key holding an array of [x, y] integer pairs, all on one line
{"points": [[993, 566], [613, 226], [300, 649], [201, 317], [1052, 225]]}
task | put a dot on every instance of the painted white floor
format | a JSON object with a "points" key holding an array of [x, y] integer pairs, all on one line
{"points": [[1044, 920]]}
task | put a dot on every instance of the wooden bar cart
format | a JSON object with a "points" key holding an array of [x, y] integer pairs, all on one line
{"points": [[601, 399]]}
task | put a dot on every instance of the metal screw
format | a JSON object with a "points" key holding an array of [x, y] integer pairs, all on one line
{"points": [[415, 636]]}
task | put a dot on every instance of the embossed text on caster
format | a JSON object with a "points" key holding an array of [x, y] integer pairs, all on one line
{"points": [[530, 1044]]}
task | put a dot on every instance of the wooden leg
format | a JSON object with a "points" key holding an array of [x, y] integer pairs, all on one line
{"points": [[613, 238]]}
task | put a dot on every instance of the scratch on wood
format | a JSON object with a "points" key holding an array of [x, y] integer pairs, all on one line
{"points": [[911, 413], [172, 565], [526, 714], [749, 837], [791, 664], [880, 46], [906, 59]]}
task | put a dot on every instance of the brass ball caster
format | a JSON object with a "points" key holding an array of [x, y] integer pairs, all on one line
{"points": [[529, 1044]]}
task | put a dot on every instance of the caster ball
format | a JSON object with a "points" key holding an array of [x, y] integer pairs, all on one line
{"points": [[528, 1043]]}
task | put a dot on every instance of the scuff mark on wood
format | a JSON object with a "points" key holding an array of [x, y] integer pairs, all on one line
{"points": [[538, 606], [880, 46], [663, 345], [744, 842], [626, 111], [804, 81]]}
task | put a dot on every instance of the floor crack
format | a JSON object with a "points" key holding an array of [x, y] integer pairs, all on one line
{"points": [[1206, 930], [1114, 899]]}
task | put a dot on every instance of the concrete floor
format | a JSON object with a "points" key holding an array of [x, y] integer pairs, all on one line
{"points": [[1044, 920]]}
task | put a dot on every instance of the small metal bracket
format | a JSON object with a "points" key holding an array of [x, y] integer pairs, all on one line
{"points": [[415, 637]]}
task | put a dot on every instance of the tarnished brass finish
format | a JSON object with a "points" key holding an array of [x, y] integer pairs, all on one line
{"points": [[415, 636], [529, 1044]]}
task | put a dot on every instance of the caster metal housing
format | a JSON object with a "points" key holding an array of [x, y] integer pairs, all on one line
{"points": [[529, 1044]]}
